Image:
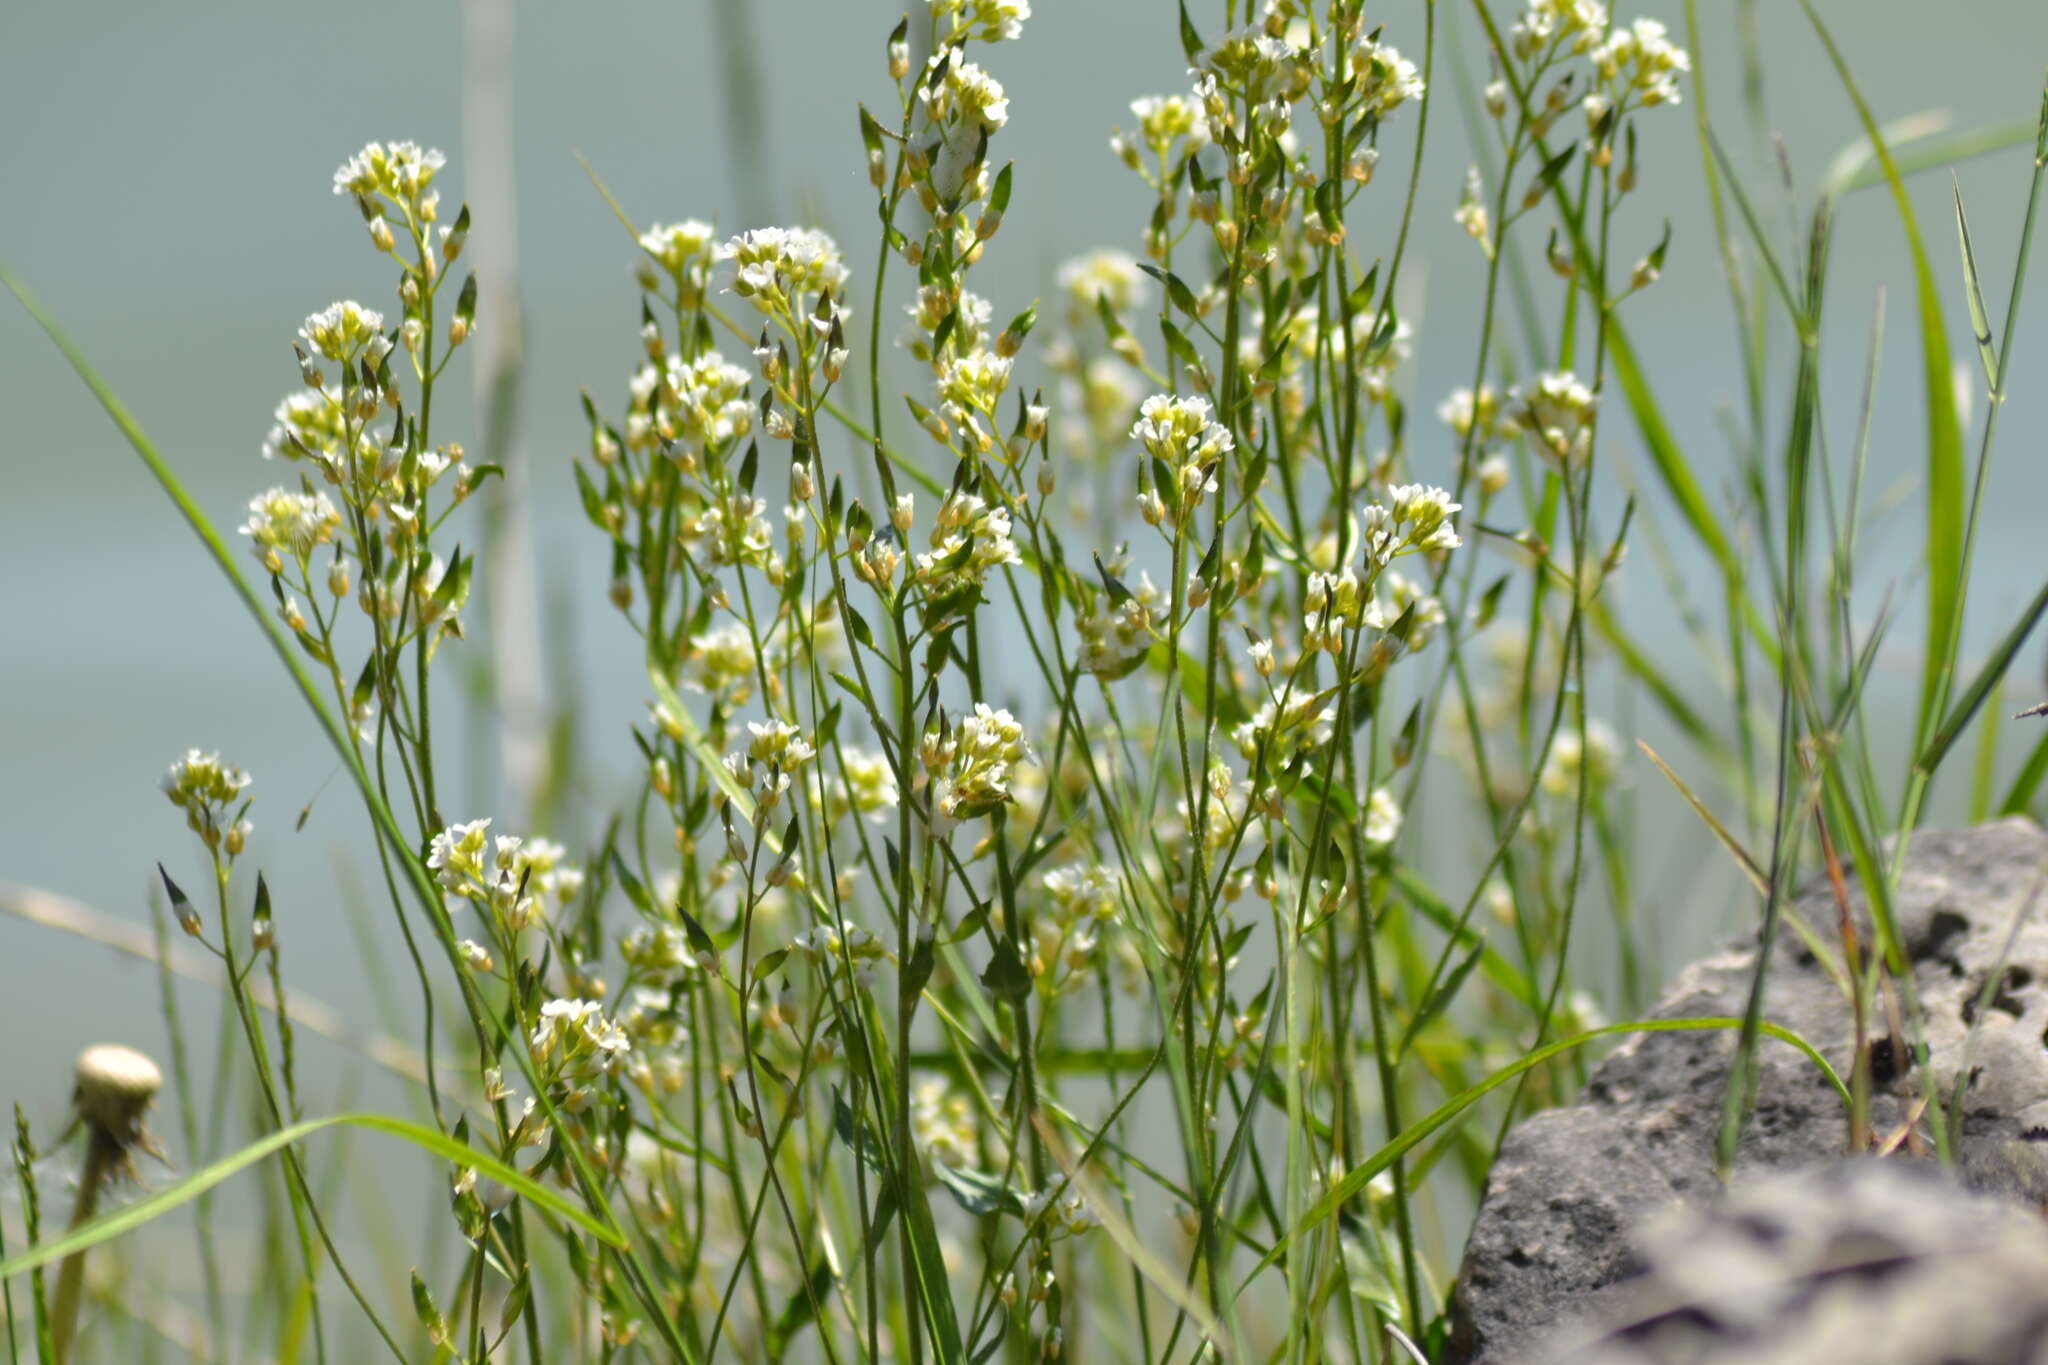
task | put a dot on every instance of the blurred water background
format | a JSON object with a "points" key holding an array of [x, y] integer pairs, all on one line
{"points": [[166, 175]]}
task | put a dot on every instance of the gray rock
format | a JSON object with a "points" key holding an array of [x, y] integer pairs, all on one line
{"points": [[1879, 1262], [1568, 1186]]}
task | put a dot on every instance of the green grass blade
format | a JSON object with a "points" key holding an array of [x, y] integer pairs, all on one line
{"points": [[1921, 142], [1944, 544], [2020, 795], [124, 1220], [1721, 832], [1994, 668], [1980, 317], [1668, 460]]}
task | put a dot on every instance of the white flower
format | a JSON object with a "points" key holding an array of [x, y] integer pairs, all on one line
{"points": [[456, 856], [290, 522], [577, 1034], [989, 20], [965, 92], [339, 330], [1559, 411], [676, 245], [779, 265], [401, 170], [200, 781], [1597, 751], [1644, 59], [970, 764], [1106, 273], [1162, 118], [1416, 517], [1083, 891], [1382, 818], [1386, 79]]}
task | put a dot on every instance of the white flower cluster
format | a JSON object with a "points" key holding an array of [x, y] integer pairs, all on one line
{"points": [[969, 764], [678, 246], [1179, 432], [1116, 635], [282, 522], [779, 266], [1644, 60], [776, 751], [1265, 69], [942, 1123], [969, 539], [690, 405], [515, 877], [1415, 517], [955, 90], [1402, 595], [734, 529], [972, 317], [204, 787], [1332, 604], [970, 386], [1165, 119], [1069, 1217], [1386, 79], [1285, 732], [1083, 891], [1108, 274], [660, 952], [830, 947], [1559, 411], [1545, 22], [575, 1038], [1382, 818], [1463, 409], [1596, 751], [400, 171], [865, 785], [721, 657], [342, 330], [989, 20]]}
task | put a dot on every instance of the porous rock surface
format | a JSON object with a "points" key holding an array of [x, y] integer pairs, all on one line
{"points": [[1553, 1242], [1875, 1262]]}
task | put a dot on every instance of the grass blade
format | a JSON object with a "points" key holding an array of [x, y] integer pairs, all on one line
{"points": [[1980, 687], [1734, 846], [1980, 317], [124, 1220], [1944, 543]]}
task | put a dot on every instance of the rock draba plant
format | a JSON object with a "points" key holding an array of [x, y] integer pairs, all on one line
{"points": [[1023, 936]]}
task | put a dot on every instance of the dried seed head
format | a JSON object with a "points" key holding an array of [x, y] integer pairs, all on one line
{"points": [[116, 1086]]}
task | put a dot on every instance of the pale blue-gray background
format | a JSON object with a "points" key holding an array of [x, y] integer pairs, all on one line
{"points": [[166, 172]]}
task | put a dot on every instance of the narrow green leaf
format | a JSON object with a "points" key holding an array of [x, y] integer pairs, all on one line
{"points": [[157, 1203], [1980, 316], [1980, 687]]}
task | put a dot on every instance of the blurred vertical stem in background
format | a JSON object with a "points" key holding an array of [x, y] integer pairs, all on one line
{"points": [[508, 679], [746, 117]]}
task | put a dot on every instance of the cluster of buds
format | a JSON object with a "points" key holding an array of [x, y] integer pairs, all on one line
{"points": [[578, 1046], [685, 252], [1558, 412], [516, 878], [1188, 445], [208, 791], [776, 752], [1118, 630], [1415, 518], [968, 764]]}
